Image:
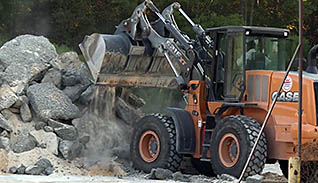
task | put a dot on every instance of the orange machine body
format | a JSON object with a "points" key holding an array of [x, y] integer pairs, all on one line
{"points": [[282, 128]]}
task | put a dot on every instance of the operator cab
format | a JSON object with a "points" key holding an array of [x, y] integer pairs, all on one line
{"points": [[241, 48]]}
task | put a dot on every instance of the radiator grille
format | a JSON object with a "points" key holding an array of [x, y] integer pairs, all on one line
{"points": [[316, 96]]}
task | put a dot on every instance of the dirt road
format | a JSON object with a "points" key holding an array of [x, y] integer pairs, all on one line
{"points": [[273, 168], [70, 179]]}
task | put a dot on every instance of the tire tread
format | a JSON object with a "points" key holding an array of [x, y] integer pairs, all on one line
{"points": [[258, 159], [174, 160]]}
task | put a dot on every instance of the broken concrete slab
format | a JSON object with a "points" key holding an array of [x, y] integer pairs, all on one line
{"points": [[22, 143], [4, 133], [178, 176], [72, 77], [70, 149], [21, 169], [67, 132], [87, 95], [66, 60], [226, 177], [7, 97], [25, 58], [21, 100], [1, 145], [14, 110], [74, 92], [51, 103], [6, 143], [33, 170], [19, 49], [44, 163], [48, 171], [53, 76], [25, 113], [160, 174], [4, 124], [48, 129], [19, 75], [13, 170], [39, 125], [64, 131]]}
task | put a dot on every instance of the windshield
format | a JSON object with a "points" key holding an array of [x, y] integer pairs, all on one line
{"points": [[265, 53]]}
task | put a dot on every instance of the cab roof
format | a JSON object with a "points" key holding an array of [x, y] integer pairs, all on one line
{"points": [[263, 31]]}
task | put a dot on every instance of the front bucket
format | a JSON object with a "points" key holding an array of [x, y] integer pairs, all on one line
{"points": [[113, 60], [96, 46], [93, 49]]}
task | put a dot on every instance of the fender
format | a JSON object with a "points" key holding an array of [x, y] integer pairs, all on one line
{"points": [[184, 129]]}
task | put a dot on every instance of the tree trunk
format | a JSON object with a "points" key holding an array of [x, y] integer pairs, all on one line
{"points": [[245, 12], [242, 10], [252, 12]]}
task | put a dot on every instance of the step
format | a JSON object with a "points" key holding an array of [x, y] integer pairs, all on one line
{"points": [[204, 159]]}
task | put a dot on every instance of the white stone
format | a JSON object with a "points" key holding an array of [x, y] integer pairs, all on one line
{"points": [[48, 138]]}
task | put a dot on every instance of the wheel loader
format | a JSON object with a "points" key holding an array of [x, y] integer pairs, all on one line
{"points": [[229, 76]]}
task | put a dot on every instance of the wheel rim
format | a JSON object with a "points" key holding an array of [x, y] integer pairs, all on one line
{"points": [[229, 150], [149, 146]]}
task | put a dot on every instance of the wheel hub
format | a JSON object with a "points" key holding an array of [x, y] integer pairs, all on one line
{"points": [[149, 146], [229, 150]]}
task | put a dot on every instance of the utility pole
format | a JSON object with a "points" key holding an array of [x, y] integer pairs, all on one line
{"points": [[294, 164]]}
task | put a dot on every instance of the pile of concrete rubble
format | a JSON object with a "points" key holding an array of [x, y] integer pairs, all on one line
{"points": [[48, 120]]}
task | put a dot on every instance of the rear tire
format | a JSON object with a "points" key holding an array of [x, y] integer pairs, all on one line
{"points": [[153, 144], [231, 143]]}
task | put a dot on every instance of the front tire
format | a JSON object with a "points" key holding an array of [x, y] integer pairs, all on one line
{"points": [[231, 143], [153, 144]]}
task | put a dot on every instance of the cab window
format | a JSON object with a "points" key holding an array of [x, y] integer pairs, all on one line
{"points": [[265, 53]]}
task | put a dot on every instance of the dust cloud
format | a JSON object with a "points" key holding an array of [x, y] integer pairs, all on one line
{"points": [[109, 136]]}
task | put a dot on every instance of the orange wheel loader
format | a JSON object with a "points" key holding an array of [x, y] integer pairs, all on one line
{"points": [[229, 76]]}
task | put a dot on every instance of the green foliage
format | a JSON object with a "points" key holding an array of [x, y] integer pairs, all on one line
{"points": [[294, 39], [67, 22], [3, 39], [62, 48]]}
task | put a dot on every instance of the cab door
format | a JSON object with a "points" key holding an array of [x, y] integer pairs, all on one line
{"points": [[230, 72]]}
